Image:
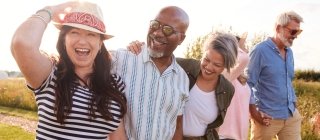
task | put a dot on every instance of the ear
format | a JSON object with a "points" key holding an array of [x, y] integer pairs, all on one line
{"points": [[278, 28], [182, 37]]}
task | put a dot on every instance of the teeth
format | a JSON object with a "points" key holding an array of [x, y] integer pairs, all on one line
{"points": [[207, 72], [158, 40], [82, 50]]}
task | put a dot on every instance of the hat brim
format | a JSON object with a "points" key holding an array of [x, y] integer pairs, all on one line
{"points": [[85, 27]]}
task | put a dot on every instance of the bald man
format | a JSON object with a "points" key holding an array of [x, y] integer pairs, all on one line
{"points": [[156, 86]]}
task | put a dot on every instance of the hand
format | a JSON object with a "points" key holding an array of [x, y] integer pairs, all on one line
{"points": [[242, 42], [259, 116], [135, 47], [242, 79], [60, 10]]}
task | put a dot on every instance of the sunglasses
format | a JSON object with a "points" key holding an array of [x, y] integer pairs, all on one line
{"points": [[166, 29], [293, 32]]}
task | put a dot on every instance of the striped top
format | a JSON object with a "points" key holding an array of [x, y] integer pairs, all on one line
{"points": [[154, 100], [77, 125]]}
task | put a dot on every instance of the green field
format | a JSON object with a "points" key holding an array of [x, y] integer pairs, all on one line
{"points": [[8, 132], [14, 94]]}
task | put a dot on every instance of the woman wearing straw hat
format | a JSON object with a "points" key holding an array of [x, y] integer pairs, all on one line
{"points": [[77, 96]]}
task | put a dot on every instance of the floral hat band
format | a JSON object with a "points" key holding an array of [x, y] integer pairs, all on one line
{"points": [[85, 19], [87, 16]]}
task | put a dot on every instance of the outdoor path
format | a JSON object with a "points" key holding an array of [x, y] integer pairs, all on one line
{"points": [[26, 124]]}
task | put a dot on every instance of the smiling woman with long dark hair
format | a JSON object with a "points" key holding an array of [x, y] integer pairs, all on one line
{"points": [[76, 94]]}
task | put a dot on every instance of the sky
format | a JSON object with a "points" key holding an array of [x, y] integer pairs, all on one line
{"points": [[128, 20]]}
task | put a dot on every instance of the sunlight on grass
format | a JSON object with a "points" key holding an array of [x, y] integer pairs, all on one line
{"points": [[14, 93], [31, 115], [8, 132]]}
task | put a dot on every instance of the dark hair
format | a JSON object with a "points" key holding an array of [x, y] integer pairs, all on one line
{"points": [[103, 86]]}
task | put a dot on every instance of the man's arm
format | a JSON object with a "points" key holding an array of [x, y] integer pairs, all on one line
{"points": [[178, 134], [258, 116], [254, 70]]}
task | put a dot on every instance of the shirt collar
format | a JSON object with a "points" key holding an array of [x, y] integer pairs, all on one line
{"points": [[273, 45], [146, 58]]}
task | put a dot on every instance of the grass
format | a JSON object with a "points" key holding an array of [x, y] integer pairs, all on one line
{"points": [[14, 93], [8, 132], [31, 115], [308, 94]]}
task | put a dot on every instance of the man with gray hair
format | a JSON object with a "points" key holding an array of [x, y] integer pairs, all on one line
{"points": [[270, 72]]}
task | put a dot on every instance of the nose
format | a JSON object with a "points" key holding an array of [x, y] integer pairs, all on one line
{"points": [[209, 66], [82, 39]]}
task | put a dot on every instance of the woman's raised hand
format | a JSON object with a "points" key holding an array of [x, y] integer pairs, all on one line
{"points": [[135, 47]]}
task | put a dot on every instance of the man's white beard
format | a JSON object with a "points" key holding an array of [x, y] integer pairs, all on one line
{"points": [[284, 40], [154, 54]]}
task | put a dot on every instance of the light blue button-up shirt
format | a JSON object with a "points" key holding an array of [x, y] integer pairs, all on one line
{"points": [[270, 80], [154, 99]]}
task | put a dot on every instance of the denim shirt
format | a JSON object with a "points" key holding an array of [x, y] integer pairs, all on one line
{"points": [[270, 79]]}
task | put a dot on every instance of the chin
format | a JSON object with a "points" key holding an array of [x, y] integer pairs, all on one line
{"points": [[155, 54]]}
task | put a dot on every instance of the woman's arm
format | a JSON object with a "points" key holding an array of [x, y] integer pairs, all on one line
{"points": [[135, 47], [237, 70], [119, 134], [26, 41], [25, 45]]}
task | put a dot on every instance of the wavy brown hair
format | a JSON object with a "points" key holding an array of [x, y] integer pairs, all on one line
{"points": [[104, 88]]}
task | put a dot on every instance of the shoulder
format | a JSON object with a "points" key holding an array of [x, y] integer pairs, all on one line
{"points": [[117, 82], [243, 58], [120, 53], [289, 50], [265, 45], [116, 78], [187, 61], [49, 82], [260, 46], [226, 85], [190, 66]]}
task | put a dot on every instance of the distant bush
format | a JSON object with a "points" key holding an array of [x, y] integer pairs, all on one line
{"points": [[307, 75], [14, 93], [308, 94]]}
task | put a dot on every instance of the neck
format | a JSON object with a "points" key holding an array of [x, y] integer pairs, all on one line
{"points": [[207, 85], [278, 43], [162, 63], [83, 73]]}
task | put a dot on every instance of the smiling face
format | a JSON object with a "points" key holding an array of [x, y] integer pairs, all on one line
{"points": [[161, 45], [166, 32], [82, 47], [212, 64], [288, 33]]}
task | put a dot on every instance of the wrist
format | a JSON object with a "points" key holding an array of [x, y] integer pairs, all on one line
{"points": [[45, 14]]}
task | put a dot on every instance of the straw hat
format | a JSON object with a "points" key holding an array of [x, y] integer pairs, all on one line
{"points": [[87, 16]]}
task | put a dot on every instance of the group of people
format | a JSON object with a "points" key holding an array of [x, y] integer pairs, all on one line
{"points": [[146, 93]]}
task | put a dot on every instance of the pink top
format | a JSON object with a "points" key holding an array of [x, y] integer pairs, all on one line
{"points": [[236, 122]]}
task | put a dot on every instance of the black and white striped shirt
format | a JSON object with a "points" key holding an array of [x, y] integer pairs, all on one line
{"points": [[78, 124]]}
